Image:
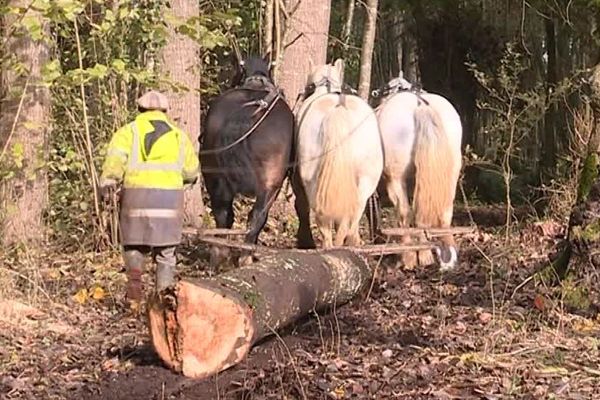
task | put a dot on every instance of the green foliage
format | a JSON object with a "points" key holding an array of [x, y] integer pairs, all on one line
{"points": [[110, 50], [512, 109]]}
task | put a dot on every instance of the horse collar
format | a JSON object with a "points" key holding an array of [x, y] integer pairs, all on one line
{"points": [[264, 103]]}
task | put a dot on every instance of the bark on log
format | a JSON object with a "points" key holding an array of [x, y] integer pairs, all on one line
{"points": [[205, 326]]}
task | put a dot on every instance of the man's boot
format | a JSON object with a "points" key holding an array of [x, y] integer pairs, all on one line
{"points": [[165, 267], [165, 277], [134, 264], [134, 284]]}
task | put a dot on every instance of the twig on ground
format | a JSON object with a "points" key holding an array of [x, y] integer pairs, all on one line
{"points": [[292, 361]]}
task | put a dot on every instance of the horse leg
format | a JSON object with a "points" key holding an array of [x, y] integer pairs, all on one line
{"points": [[222, 208], [374, 217], [366, 198], [324, 226], [426, 257], [448, 252], [353, 238], [257, 219], [304, 236], [342, 232], [396, 189]]}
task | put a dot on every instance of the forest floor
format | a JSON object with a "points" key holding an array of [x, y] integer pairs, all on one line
{"points": [[491, 329]]}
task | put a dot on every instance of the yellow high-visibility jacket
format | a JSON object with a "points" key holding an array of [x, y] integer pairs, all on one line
{"points": [[153, 159]]}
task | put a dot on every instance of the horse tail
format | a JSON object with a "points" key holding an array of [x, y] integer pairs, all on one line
{"points": [[337, 189], [434, 161]]}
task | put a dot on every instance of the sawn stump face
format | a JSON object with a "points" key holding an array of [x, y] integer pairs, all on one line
{"points": [[209, 331]]}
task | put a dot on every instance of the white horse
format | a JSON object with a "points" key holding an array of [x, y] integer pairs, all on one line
{"points": [[339, 158], [422, 136]]}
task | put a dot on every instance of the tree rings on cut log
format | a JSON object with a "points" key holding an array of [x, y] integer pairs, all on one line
{"points": [[200, 329]]}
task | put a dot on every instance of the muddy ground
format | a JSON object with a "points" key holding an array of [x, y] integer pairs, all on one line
{"points": [[491, 329]]}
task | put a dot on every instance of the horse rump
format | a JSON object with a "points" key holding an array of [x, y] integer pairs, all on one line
{"points": [[337, 189], [433, 159]]}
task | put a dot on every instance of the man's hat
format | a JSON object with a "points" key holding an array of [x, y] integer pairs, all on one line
{"points": [[153, 100]]}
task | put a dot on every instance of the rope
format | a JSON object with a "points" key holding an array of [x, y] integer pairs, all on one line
{"points": [[248, 133]]}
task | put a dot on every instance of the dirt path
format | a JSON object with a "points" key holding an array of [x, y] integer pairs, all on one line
{"points": [[488, 330]]}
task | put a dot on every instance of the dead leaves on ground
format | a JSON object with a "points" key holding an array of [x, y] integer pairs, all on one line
{"points": [[84, 295], [421, 335]]}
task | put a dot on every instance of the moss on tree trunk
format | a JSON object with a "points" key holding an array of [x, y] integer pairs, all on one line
{"points": [[208, 325], [578, 262]]}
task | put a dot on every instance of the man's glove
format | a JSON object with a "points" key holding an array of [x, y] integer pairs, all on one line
{"points": [[191, 181], [107, 186]]}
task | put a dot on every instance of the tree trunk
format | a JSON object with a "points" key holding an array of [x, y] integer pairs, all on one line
{"points": [[267, 44], [549, 133], [304, 44], [580, 257], [366, 57], [348, 25], [24, 126], [208, 325], [410, 57], [181, 63]]}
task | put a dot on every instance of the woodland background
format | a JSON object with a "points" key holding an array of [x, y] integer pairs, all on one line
{"points": [[71, 70], [524, 77]]}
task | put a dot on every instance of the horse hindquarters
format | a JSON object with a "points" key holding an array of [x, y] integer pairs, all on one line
{"points": [[336, 195], [271, 150], [396, 121], [434, 162]]}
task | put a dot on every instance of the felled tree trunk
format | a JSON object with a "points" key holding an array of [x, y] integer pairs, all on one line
{"points": [[205, 326]]}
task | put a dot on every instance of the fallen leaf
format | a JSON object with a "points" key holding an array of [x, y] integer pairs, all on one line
{"points": [[81, 296], [584, 325], [548, 228], [485, 317], [98, 293], [357, 388], [539, 302]]}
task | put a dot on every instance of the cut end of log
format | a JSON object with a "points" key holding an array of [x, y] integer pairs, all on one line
{"points": [[205, 332]]}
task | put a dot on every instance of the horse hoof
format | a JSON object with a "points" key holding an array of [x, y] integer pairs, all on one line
{"points": [[409, 260], [426, 258], [217, 256], [447, 258], [245, 260]]}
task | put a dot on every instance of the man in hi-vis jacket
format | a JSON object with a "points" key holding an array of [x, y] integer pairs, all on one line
{"points": [[152, 159]]}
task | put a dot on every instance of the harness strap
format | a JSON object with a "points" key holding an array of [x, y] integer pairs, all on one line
{"points": [[400, 86], [251, 130], [265, 102], [311, 87]]}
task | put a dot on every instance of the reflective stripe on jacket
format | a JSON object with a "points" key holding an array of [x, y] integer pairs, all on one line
{"points": [[153, 159]]}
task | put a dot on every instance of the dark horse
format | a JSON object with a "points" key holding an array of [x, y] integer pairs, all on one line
{"points": [[247, 145]]}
